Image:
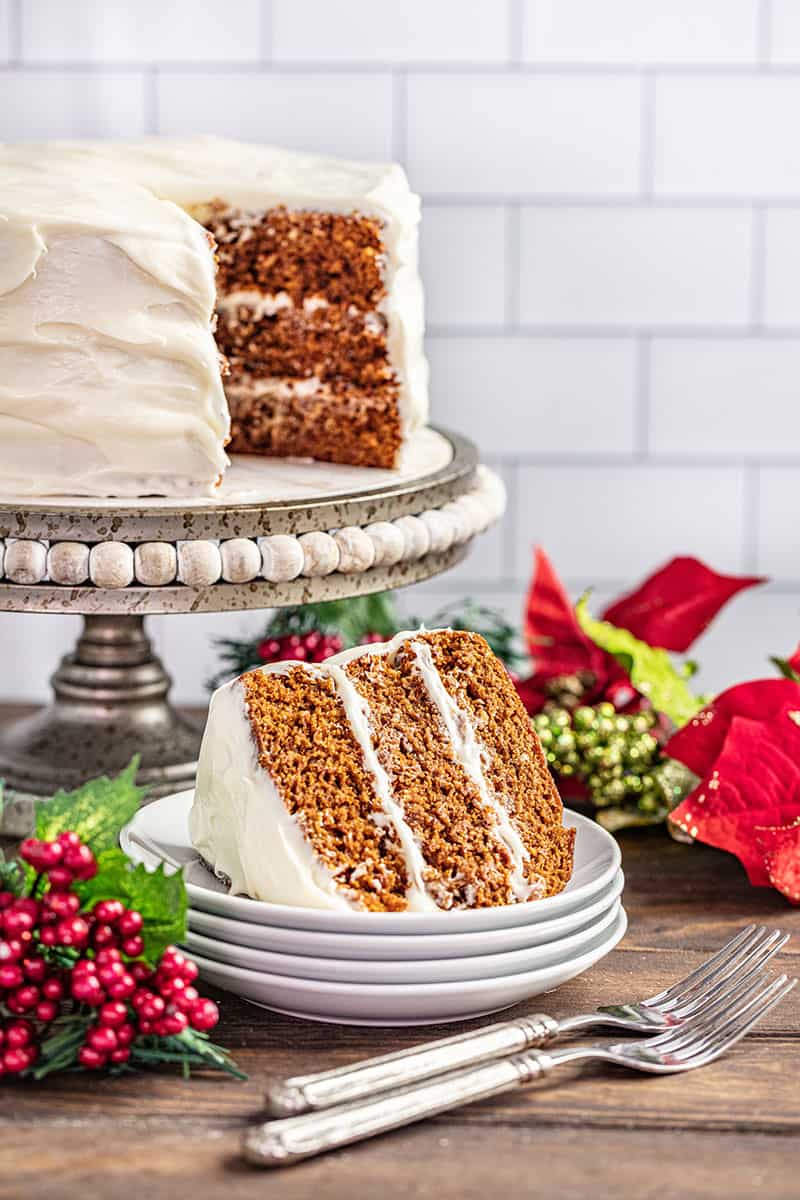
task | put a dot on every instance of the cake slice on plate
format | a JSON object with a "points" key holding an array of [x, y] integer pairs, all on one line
{"points": [[398, 776]]}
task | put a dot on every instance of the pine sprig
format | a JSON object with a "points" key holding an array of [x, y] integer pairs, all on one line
{"points": [[191, 1049]]}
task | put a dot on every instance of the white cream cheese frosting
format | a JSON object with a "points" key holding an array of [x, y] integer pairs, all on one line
{"points": [[240, 825], [109, 374], [106, 185]]}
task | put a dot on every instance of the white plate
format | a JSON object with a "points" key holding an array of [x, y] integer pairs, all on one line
{"points": [[431, 970], [401, 946], [165, 822], [402, 1003]]}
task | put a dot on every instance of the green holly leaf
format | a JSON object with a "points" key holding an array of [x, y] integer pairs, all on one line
{"points": [[786, 669], [159, 897], [96, 811], [650, 669]]}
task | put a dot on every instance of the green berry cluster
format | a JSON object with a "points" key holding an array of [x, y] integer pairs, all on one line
{"points": [[616, 757]]}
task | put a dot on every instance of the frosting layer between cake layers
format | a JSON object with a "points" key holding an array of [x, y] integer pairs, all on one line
{"points": [[109, 373], [247, 824]]}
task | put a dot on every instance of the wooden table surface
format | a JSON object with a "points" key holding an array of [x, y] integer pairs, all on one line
{"points": [[732, 1129]]}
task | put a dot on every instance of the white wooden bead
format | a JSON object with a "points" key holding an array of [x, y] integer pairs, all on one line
{"points": [[111, 565], [25, 561], [282, 557], [356, 550], [474, 509], [241, 560], [68, 563], [417, 537], [389, 543], [493, 490], [461, 521], [199, 563], [320, 554], [441, 528], [155, 563]]}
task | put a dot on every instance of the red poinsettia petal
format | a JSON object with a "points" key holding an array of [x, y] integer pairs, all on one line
{"points": [[531, 693], [675, 604], [556, 642], [773, 702], [780, 846], [754, 782]]}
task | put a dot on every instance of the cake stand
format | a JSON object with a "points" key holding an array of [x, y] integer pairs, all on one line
{"points": [[278, 533]]}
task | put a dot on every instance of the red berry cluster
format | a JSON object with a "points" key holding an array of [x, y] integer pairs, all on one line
{"points": [[303, 647], [128, 997]]}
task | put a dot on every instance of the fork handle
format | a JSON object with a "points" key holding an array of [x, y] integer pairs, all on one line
{"points": [[281, 1142], [343, 1084]]}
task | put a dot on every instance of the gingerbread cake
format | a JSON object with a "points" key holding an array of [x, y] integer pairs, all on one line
{"points": [[392, 777], [319, 308]]}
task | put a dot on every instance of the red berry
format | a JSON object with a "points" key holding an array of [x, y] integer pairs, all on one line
{"points": [[203, 1015], [47, 1011], [48, 935], [122, 988], [139, 996], [60, 879], [17, 920], [68, 839], [35, 969], [84, 966], [146, 1028], [15, 1061], [25, 998], [133, 946], [185, 999], [72, 931], [108, 954], [53, 988], [88, 991], [108, 911], [41, 855], [171, 1024], [81, 861], [101, 1038], [109, 973], [18, 1033], [152, 1008], [11, 976], [139, 970], [130, 922], [113, 1013], [61, 904], [10, 950], [121, 1055], [91, 1059], [171, 961], [125, 1035], [6, 898], [103, 936]]}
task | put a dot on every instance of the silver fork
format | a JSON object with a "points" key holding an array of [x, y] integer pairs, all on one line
{"points": [[681, 1048], [726, 973]]}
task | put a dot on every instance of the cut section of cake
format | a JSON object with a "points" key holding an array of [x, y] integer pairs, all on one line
{"points": [[395, 776], [319, 304]]}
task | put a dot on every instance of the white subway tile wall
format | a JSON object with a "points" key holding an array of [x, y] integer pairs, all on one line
{"points": [[611, 252]]}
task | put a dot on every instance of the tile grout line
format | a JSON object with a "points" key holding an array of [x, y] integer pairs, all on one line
{"points": [[499, 68], [751, 504], [400, 117]]}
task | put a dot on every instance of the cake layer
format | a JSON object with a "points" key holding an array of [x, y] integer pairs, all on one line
{"points": [[392, 776]]}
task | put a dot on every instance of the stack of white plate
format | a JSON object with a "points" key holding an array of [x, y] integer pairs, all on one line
{"points": [[389, 968]]}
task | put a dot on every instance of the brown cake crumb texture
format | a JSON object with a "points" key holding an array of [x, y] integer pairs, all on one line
{"points": [[467, 866], [348, 409], [516, 767], [305, 743]]}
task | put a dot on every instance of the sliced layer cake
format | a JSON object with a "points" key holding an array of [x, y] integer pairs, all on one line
{"points": [[404, 775]]}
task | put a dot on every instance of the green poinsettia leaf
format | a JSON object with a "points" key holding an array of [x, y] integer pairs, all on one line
{"points": [[158, 896], [650, 669], [96, 811]]}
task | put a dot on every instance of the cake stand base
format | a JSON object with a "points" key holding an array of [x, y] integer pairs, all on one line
{"points": [[110, 703]]}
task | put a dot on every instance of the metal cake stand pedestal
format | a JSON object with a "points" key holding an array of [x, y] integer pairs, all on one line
{"points": [[278, 534]]}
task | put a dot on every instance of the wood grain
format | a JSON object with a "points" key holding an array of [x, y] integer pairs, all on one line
{"points": [[730, 1130]]}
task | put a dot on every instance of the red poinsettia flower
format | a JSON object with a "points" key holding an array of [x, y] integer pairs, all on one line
{"points": [[746, 748], [676, 603], [670, 609]]}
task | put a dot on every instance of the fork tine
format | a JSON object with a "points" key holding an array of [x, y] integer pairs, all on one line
{"points": [[707, 967], [680, 1035], [704, 1033], [749, 964], [735, 1030], [738, 955]]}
